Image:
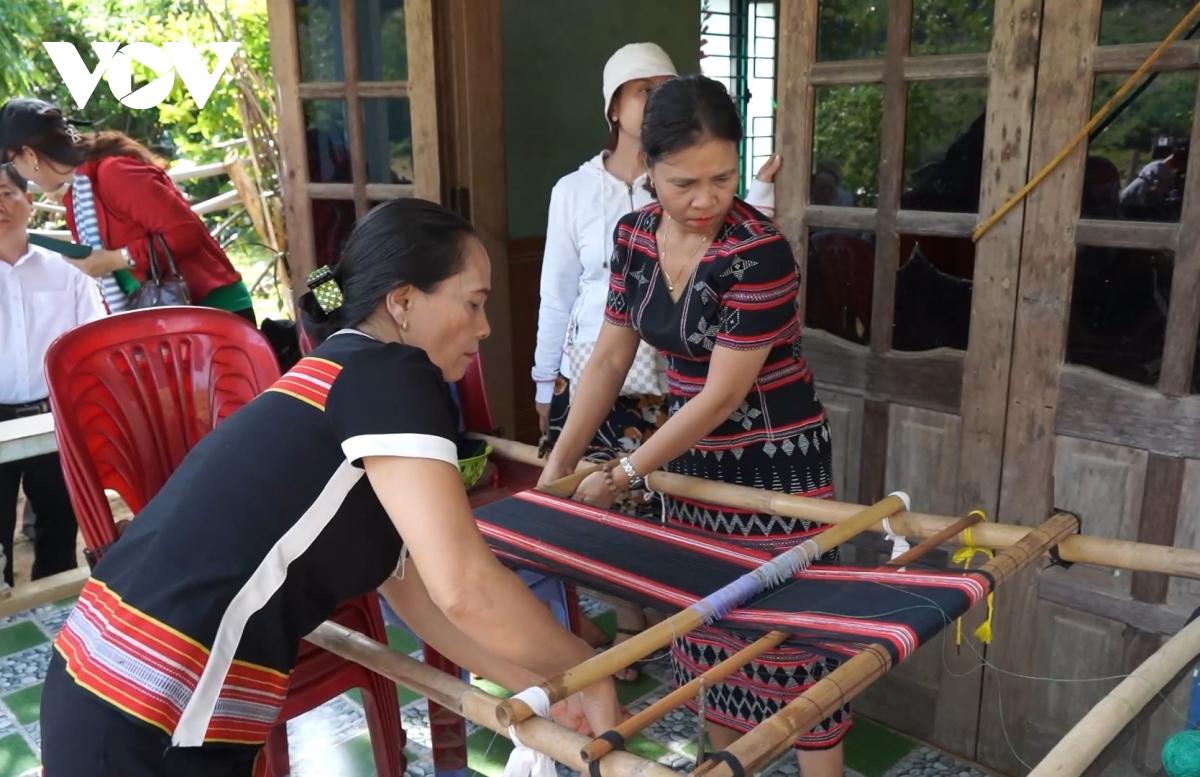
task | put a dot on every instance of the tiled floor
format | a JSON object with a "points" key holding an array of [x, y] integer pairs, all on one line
{"points": [[332, 742]]}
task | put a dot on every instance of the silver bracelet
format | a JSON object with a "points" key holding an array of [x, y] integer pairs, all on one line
{"points": [[636, 481]]}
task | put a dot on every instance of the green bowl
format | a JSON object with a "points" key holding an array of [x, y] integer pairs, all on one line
{"points": [[471, 470]]}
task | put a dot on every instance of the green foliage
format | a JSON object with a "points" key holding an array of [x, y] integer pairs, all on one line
{"points": [[846, 133], [951, 26], [177, 128], [851, 29], [1139, 21]]}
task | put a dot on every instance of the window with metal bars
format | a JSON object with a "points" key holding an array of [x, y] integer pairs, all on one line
{"points": [[737, 47]]}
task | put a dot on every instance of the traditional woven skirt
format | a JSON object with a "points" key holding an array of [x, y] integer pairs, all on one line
{"points": [[802, 464], [760, 688]]}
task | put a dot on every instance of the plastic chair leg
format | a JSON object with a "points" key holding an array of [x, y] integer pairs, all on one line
{"points": [[277, 759], [382, 709]]}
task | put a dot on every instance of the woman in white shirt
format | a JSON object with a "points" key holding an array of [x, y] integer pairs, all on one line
{"points": [[584, 208]]}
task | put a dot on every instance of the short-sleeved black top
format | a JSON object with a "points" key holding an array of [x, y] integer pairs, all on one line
{"points": [[742, 296], [192, 621]]}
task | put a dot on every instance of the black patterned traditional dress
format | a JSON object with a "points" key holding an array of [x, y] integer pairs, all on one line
{"points": [[742, 295]]}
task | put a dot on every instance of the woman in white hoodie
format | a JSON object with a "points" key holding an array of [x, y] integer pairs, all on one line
{"points": [[584, 208]]}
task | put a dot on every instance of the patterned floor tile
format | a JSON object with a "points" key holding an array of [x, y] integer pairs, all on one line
{"points": [[51, 618], [24, 669], [323, 728], [34, 733], [8, 724], [20, 636], [16, 756], [25, 704]]}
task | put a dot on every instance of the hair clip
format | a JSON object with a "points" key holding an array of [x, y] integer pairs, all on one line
{"points": [[72, 133], [325, 289]]}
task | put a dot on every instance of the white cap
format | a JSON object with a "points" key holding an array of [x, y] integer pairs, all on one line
{"points": [[630, 62]]}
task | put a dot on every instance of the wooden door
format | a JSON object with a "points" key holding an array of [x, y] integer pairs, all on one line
{"points": [[899, 124], [1103, 413], [357, 115]]}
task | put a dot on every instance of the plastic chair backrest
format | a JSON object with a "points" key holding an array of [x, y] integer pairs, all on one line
{"points": [[473, 401], [134, 392]]}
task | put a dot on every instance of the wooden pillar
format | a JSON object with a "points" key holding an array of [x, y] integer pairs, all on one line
{"points": [[1012, 67], [297, 211], [471, 97], [1064, 88], [354, 105], [797, 30]]}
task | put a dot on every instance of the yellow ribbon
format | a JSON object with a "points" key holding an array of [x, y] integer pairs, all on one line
{"points": [[963, 556]]}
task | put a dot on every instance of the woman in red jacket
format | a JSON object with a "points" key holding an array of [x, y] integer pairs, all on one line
{"points": [[120, 198]]}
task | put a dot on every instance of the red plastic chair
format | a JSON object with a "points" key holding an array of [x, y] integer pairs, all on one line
{"points": [[131, 395], [472, 396]]}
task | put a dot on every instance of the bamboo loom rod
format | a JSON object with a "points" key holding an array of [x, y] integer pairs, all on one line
{"points": [[565, 486], [601, 746], [1081, 549], [776, 734], [936, 541], [1097, 729], [1098, 117], [663, 633], [542, 735]]}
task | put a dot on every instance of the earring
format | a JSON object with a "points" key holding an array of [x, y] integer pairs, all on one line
{"points": [[404, 325], [36, 167]]}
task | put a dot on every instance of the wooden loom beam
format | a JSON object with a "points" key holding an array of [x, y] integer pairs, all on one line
{"points": [[542, 735], [1097, 729], [775, 735], [663, 633], [1082, 549], [600, 747]]}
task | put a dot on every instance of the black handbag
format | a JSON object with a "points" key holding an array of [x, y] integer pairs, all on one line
{"points": [[160, 289]]}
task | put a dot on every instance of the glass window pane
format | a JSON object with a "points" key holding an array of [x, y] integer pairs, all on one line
{"points": [[332, 221], [382, 44], [327, 141], [951, 27], [851, 29], [1137, 158], [715, 19], [387, 129], [846, 145], [1119, 311], [943, 145], [841, 272], [1139, 21], [319, 38], [933, 293]]}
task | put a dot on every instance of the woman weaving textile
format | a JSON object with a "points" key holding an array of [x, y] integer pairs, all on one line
{"points": [[175, 660], [711, 283]]}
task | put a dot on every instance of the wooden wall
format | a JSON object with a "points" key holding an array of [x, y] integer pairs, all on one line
{"points": [[1018, 421]]}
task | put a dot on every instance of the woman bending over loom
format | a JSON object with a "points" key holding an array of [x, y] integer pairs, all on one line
{"points": [[311, 495], [584, 208], [711, 283]]}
